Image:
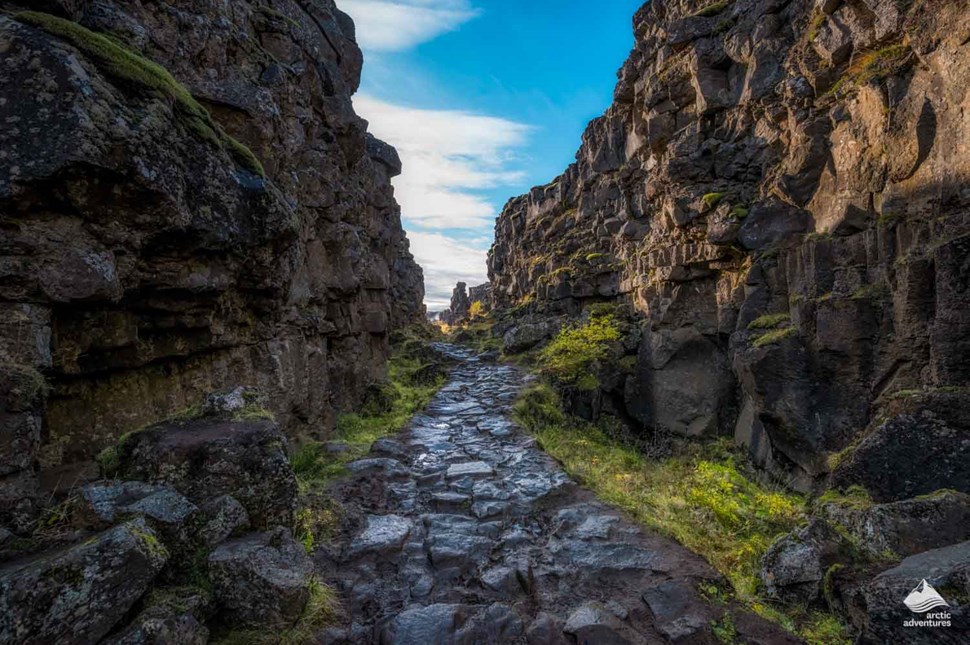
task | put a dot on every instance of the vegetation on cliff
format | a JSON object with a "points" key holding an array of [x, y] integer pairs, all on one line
{"points": [[117, 61], [572, 353]]}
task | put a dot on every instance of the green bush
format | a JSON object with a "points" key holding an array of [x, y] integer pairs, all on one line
{"points": [[574, 350]]}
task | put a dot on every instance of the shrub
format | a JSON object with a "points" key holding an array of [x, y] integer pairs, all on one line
{"points": [[476, 309], [574, 350]]}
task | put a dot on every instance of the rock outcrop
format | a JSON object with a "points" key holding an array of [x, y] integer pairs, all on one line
{"points": [[777, 201], [188, 202], [778, 193], [165, 550]]}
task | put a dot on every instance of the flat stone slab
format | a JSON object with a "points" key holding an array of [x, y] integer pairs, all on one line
{"points": [[469, 469], [383, 534]]}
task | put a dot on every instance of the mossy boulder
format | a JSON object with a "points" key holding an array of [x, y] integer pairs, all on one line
{"points": [[204, 458], [78, 594]]}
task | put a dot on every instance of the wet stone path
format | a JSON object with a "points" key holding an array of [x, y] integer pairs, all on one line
{"points": [[461, 530]]}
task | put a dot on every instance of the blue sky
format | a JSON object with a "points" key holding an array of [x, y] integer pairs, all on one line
{"points": [[483, 99]]}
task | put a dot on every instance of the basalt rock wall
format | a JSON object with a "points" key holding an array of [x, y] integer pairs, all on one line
{"points": [[188, 202], [779, 193]]}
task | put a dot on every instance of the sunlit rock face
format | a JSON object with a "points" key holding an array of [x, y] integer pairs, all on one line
{"points": [[779, 193], [226, 222]]}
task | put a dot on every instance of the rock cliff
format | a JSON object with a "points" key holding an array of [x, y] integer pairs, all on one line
{"points": [[779, 194], [187, 202]]}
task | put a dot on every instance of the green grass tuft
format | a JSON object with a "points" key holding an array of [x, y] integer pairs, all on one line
{"points": [[774, 337], [124, 65], [713, 9], [769, 321]]}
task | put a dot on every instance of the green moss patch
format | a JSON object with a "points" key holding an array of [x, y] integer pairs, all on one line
{"points": [[124, 65], [769, 321], [774, 337], [713, 9], [711, 200]]}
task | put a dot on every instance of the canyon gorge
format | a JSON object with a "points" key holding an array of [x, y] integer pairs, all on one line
{"points": [[225, 417]]}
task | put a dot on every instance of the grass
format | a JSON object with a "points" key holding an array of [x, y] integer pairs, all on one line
{"points": [[569, 358], [706, 496], [124, 65], [713, 9], [738, 213], [769, 321], [872, 65], [774, 337], [321, 609]]}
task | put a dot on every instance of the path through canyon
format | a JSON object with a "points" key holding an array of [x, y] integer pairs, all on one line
{"points": [[461, 530]]}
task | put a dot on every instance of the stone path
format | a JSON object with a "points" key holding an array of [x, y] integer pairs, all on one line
{"points": [[461, 530]]}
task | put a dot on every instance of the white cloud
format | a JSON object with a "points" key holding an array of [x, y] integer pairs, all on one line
{"points": [[448, 156], [398, 25], [446, 262]]}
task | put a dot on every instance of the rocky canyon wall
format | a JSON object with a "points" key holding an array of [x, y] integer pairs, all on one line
{"points": [[188, 202], [779, 196]]}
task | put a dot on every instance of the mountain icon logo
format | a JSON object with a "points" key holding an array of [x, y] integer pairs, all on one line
{"points": [[924, 598]]}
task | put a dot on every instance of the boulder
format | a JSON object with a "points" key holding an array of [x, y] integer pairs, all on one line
{"points": [[794, 566], [884, 618], [103, 504], [432, 624], [218, 519], [923, 447], [80, 593], [261, 580], [229, 403], [206, 458], [679, 612], [162, 628], [907, 527], [593, 622], [527, 335]]}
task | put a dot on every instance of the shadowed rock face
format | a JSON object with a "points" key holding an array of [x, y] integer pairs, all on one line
{"points": [[800, 159], [145, 259]]}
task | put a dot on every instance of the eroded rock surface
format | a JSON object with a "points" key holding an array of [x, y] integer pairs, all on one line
{"points": [[166, 236], [463, 531], [800, 160]]}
